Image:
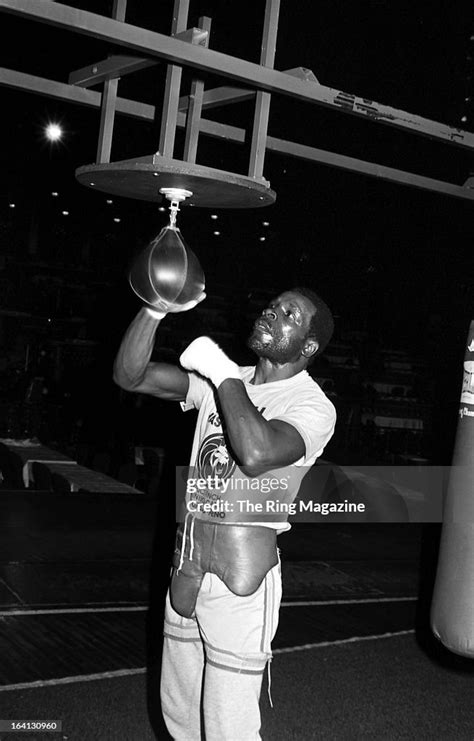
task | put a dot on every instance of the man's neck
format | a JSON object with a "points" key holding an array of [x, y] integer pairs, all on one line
{"points": [[266, 371]]}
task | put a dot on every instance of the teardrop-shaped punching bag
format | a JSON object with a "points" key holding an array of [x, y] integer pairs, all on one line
{"points": [[167, 270], [452, 609]]}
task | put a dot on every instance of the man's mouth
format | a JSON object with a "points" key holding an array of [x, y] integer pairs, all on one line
{"points": [[263, 326]]}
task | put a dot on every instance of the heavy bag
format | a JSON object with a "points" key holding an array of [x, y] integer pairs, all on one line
{"points": [[167, 270], [452, 609]]}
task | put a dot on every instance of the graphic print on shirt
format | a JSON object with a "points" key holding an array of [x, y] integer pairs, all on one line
{"points": [[214, 459]]}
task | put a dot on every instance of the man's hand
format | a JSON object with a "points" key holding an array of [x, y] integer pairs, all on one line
{"points": [[206, 357], [161, 308]]}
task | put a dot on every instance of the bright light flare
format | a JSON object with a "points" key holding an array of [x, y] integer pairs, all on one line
{"points": [[53, 132]]}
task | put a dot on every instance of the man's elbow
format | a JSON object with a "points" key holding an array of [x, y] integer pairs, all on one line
{"points": [[122, 380], [254, 464]]}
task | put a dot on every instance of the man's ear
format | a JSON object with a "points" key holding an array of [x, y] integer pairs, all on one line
{"points": [[310, 348]]}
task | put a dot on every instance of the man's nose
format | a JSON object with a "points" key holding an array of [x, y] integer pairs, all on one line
{"points": [[270, 314]]}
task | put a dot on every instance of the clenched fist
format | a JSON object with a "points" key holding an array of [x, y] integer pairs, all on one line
{"points": [[206, 357]]}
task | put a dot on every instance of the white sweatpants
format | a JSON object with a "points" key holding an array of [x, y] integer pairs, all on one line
{"points": [[213, 663]]}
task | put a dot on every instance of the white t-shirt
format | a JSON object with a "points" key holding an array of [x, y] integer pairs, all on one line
{"points": [[299, 401]]}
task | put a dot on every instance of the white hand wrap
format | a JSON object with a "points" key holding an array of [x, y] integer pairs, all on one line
{"points": [[206, 357]]}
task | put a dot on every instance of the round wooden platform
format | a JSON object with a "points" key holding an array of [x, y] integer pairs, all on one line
{"points": [[142, 178]]}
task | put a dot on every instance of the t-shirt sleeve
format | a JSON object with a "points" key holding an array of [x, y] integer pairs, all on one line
{"points": [[315, 420], [198, 388]]}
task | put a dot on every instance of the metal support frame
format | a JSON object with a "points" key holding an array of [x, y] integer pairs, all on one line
{"points": [[109, 97], [119, 65], [107, 119], [146, 112], [262, 104], [158, 46], [195, 106], [175, 51], [173, 83]]}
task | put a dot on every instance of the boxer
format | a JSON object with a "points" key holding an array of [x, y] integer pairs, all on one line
{"points": [[265, 422]]}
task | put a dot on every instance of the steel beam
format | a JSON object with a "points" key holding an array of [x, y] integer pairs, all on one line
{"points": [[351, 164], [173, 84], [107, 118], [219, 96], [109, 97], [195, 106], [262, 104], [108, 69], [72, 93], [224, 95], [150, 43], [145, 112], [120, 65]]}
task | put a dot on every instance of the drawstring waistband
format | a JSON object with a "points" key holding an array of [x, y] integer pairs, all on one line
{"points": [[183, 542], [191, 540], [269, 683]]}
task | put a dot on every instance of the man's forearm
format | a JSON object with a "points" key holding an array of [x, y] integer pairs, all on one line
{"points": [[250, 435], [135, 350]]}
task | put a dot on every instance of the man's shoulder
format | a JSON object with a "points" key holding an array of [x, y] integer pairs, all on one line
{"points": [[310, 390]]}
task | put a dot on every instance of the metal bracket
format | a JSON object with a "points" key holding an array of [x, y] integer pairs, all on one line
{"points": [[176, 196], [302, 73], [196, 36]]}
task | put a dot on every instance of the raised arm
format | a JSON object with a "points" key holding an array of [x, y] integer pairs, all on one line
{"points": [[258, 444], [133, 370]]}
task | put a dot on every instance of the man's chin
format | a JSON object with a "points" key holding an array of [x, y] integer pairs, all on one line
{"points": [[255, 343], [268, 351]]}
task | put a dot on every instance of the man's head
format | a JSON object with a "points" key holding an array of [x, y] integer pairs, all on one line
{"points": [[294, 328]]}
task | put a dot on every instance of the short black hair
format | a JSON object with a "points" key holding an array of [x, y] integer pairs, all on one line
{"points": [[321, 326]]}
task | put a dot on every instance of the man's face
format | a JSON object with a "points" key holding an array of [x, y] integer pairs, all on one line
{"points": [[280, 333]]}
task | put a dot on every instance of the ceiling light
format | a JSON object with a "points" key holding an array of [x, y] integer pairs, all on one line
{"points": [[53, 132]]}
